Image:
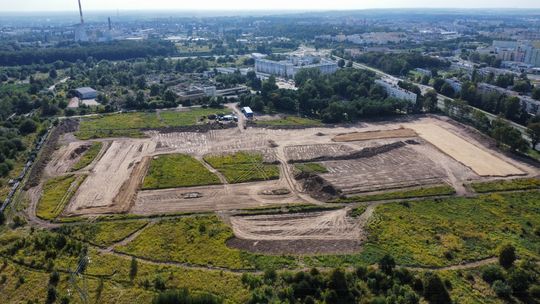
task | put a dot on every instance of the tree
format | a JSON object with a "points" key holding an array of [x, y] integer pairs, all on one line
{"points": [[534, 133], [53, 74], [51, 295], [501, 289], [27, 126], [133, 268], [387, 264], [434, 290], [341, 63], [2, 218], [507, 256], [430, 101], [504, 133], [447, 90], [536, 93], [349, 64]]}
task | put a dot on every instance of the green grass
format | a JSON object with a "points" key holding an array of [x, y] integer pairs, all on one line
{"points": [[506, 185], [414, 193], [311, 168], [177, 170], [88, 156], [57, 193], [288, 208], [113, 270], [104, 233], [130, 124], [358, 211], [291, 121], [195, 240], [451, 231], [187, 118], [243, 167]]}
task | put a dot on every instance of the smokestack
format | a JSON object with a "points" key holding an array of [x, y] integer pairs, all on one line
{"points": [[80, 11], [110, 26]]}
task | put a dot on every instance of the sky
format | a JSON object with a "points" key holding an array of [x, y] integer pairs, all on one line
{"points": [[68, 5]]}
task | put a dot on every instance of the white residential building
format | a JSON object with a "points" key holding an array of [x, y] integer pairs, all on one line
{"points": [[395, 91]]}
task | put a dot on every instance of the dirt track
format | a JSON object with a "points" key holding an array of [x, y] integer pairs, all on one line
{"points": [[370, 135]]}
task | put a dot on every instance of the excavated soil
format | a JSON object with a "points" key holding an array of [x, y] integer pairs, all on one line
{"points": [[369, 135]]}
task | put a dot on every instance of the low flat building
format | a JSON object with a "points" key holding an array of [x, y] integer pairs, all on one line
{"points": [[86, 93]]}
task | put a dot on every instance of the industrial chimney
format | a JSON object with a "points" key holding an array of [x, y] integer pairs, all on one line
{"points": [[80, 11], [110, 26]]}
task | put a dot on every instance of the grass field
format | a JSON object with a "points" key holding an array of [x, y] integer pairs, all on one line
{"points": [[311, 168], [129, 124], [103, 234], [195, 240], [451, 231], [186, 118], [243, 167], [88, 156], [177, 170], [418, 192], [57, 193], [291, 121], [506, 185]]}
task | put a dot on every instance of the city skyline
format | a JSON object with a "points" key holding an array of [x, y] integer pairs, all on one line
{"points": [[208, 5]]}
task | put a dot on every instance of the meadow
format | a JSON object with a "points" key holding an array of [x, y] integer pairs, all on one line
{"points": [[291, 121], [243, 167], [506, 185], [102, 234], [438, 190], [199, 240], [130, 124], [57, 193], [177, 170], [311, 168]]}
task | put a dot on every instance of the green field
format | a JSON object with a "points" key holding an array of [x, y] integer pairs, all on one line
{"points": [[290, 121], [102, 234], [177, 170], [243, 167], [130, 124], [406, 194], [57, 193], [506, 185], [194, 240], [311, 168], [450, 231], [88, 157]]}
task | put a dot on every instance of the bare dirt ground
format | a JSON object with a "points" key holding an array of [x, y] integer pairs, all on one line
{"points": [[369, 135], [109, 175], [479, 160], [317, 232], [213, 198], [399, 168], [65, 157]]}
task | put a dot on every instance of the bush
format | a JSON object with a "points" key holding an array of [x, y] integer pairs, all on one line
{"points": [[387, 264], [492, 273], [507, 256], [519, 281], [434, 290], [501, 289], [27, 126], [183, 296]]}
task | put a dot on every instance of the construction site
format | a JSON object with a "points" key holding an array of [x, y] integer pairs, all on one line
{"points": [[359, 160]]}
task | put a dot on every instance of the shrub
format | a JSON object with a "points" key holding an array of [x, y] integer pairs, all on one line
{"points": [[519, 281], [387, 264], [501, 289], [507, 256], [183, 296], [492, 273], [434, 290]]}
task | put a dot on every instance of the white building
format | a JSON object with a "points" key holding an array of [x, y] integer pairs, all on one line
{"points": [[532, 106], [289, 68], [396, 92]]}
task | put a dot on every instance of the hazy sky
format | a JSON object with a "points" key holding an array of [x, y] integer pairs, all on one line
{"points": [[67, 5]]}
